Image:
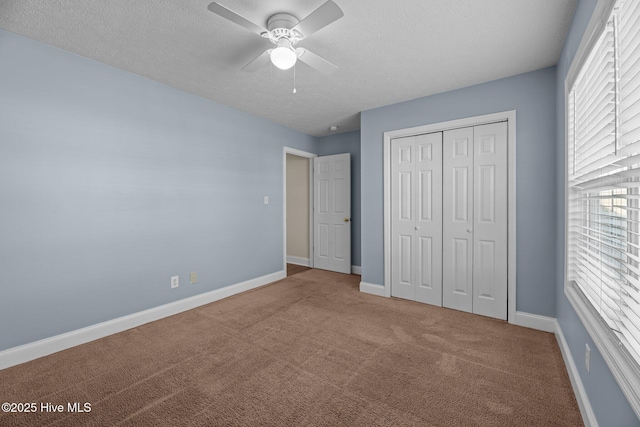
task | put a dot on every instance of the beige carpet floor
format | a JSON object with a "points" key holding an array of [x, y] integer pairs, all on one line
{"points": [[307, 350]]}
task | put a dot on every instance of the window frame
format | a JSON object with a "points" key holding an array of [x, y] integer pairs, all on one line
{"points": [[622, 365]]}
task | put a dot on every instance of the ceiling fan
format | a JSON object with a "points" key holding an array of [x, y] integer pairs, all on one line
{"points": [[285, 31]]}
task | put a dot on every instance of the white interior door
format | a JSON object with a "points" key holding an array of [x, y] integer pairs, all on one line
{"points": [[447, 235], [332, 213], [429, 218], [403, 225], [416, 266], [457, 246], [490, 220]]}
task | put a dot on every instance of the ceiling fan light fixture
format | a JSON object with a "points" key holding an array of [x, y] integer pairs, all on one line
{"points": [[283, 56]]}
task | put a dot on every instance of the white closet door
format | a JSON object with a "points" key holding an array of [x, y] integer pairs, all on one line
{"points": [[457, 221], [428, 236], [490, 221], [403, 218], [449, 219], [416, 197]]}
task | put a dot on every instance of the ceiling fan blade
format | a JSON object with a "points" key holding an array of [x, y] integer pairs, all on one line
{"points": [[314, 61], [319, 18], [263, 59], [219, 9]]}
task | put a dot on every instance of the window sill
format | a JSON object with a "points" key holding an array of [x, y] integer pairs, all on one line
{"points": [[624, 369]]}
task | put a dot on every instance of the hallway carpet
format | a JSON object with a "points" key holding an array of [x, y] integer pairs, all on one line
{"points": [[307, 350], [293, 269]]}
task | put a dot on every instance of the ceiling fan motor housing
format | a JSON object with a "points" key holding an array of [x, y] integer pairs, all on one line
{"points": [[282, 20], [280, 26]]}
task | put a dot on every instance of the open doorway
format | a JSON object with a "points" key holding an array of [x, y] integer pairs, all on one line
{"points": [[298, 199], [317, 211]]}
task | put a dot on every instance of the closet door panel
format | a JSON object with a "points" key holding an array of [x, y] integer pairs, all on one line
{"points": [[457, 223], [428, 223], [490, 221], [403, 218]]}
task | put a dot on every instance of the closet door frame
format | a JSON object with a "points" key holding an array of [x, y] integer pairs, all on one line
{"points": [[510, 118]]}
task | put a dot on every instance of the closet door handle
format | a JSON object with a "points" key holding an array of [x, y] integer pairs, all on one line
{"points": [[416, 228], [469, 230]]}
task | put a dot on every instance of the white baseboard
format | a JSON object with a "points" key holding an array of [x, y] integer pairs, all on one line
{"points": [[356, 269], [34, 350], [373, 289], [588, 416], [535, 321], [298, 261]]}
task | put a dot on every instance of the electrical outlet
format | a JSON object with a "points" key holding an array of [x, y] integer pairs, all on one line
{"points": [[193, 277], [587, 357], [175, 281]]}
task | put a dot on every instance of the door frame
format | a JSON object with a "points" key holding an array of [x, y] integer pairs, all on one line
{"points": [[310, 157], [510, 118]]}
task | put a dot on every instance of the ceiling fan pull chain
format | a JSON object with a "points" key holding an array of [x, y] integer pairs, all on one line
{"points": [[294, 78]]}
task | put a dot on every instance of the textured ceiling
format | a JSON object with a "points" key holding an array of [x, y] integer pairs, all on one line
{"points": [[386, 51]]}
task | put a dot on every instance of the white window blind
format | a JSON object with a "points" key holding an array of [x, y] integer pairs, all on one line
{"points": [[603, 165]]}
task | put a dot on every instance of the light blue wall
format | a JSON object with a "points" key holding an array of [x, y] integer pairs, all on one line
{"points": [[111, 183], [610, 406], [348, 142], [532, 95]]}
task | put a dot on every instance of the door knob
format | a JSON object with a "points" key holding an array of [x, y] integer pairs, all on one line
{"points": [[469, 230], [417, 228], [347, 219]]}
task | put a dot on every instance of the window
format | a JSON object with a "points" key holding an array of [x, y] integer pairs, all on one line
{"points": [[603, 187]]}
